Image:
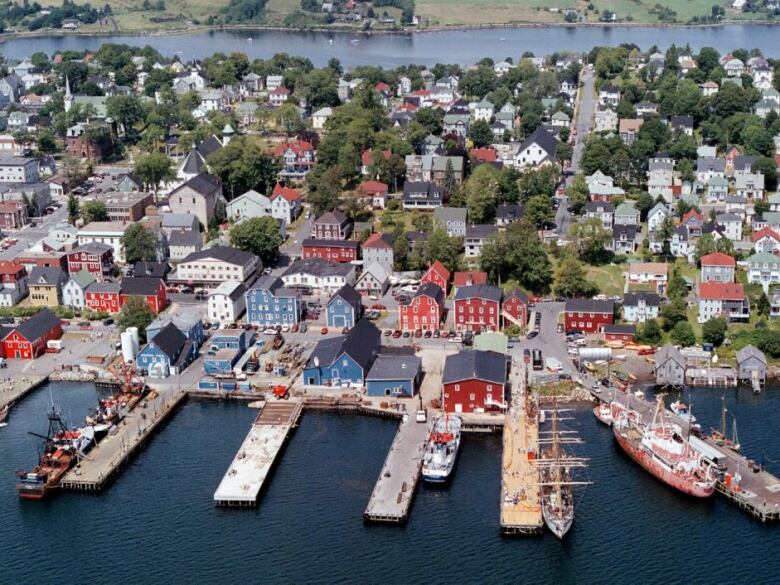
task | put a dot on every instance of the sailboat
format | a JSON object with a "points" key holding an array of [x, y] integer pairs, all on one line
{"points": [[441, 451], [556, 478], [719, 436]]}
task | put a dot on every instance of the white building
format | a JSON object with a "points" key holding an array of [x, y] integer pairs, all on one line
{"points": [[226, 303], [216, 265]]}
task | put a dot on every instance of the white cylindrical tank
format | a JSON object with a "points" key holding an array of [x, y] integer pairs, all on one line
{"points": [[133, 331], [592, 354], [128, 348]]}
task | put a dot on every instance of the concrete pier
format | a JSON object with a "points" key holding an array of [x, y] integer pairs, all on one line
{"points": [[521, 510], [244, 479], [97, 469], [17, 387], [394, 489]]}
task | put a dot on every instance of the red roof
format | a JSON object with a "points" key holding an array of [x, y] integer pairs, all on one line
{"points": [[484, 154], [9, 267], [378, 240], [441, 270], [370, 187], [368, 156], [767, 231], [691, 214], [718, 259], [297, 146], [407, 108], [9, 206], [382, 86], [721, 291], [281, 90], [422, 93], [469, 278], [777, 160], [289, 195]]}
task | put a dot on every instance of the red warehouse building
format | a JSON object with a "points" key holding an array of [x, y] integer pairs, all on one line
{"points": [[94, 257], [474, 381], [152, 290], [28, 340], [424, 311], [437, 274], [514, 309], [330, 250], [478, 308], [103, 297], [589, 316], [622, 333]]}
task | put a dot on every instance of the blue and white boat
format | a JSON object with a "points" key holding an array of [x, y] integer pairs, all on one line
{"points": [[441, 452]]}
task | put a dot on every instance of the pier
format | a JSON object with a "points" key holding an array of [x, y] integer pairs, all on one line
{"points": [[741, 480], [244, 479], [98, 468], [14, 389], [716, 377], [521, 509], [394, 489]]}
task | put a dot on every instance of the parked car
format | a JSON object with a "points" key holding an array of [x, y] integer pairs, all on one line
{"points": [[436, 334], [428, 334], [396, 334], [388, 332], [324, 330], [379, 307], [532, 334], [527, 356], [406, 334], [418, 333], [303, 328]]}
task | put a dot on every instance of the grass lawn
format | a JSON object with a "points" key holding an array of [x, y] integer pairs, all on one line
{"points": [[640, 9], [609, 278]]}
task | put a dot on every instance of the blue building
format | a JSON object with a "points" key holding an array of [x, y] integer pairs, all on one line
{"points": [[344, 359], [268, 302], [345, 307], [239, 339], [221, 361], [394, 375], [168, 353], [188, 322]]}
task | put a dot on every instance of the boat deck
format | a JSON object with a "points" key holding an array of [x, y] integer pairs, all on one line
{"points": [[102, 463], [244, 479], [521, 510], [755, 490], [394, 489]]}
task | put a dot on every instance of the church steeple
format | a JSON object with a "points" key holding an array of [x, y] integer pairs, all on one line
{"points": [[68, 99]]}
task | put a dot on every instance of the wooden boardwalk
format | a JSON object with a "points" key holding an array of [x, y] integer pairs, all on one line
{"points": [[244, 479], [521, 510], [394, 489], [98, 468], [754, 490]]}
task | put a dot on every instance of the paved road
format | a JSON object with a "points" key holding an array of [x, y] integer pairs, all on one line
{"points": [[28, 235]]}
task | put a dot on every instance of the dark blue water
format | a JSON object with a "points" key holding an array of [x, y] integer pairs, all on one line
{"points": [[463, 47], [157, 524]]}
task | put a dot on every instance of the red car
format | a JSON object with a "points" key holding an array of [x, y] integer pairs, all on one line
{"points": [[418, 333], [324, 330], [396, 334], [378, 307]]}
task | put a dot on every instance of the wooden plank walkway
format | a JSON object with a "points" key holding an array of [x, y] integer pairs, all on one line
{"points": [[394, 489], [244, 479], [521, 510], [756, 491], [95, 471]]}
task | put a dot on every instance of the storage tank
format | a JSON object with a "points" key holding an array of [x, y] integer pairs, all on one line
{"points": [[593, 354], [128, 347], [136, 338]]}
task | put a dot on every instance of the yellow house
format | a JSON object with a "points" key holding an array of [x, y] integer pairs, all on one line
{"points": [[46, 286]]}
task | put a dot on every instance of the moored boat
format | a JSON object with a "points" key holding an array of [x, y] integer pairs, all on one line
{"points": [[603, 412], [441, 451]]}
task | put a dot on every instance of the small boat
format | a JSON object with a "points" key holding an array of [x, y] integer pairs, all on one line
{"points": [[603, 412], [330, 41], [681, 409], [720, 437], [4, 416], [355, 41], [441, 452]]}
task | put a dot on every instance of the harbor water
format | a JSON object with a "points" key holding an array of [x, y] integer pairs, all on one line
{"points": [[157, 523]]}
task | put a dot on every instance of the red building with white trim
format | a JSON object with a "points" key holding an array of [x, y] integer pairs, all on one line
{"points": [[103, 297], [151, 289], [474, 381], [589, 316], [514, 309], [94, 257], [28, 340], [619, 332], [478, 308], [330, 250], [437, 274], [424, 311]]}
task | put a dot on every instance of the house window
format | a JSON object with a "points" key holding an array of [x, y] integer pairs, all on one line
{"points": [[457, 387], [472, 396]]}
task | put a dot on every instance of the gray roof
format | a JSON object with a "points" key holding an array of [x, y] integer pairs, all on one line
{"points": [[421, 190], [331, 218], [361, 344], [319, 267], [590, 306], [36, 326], [431, 290], [223, 253], [456, 214], [179, 220], [474, 364], [480, 291], [395, 367], [140, 285], [203, 183], [632, 299], [169, 340], [480, 231], [544, 139], [669, 352], [348, 294], [705, 164], [275, 286], [748, 352], [104, 287], [185, 238], [48, 276]]}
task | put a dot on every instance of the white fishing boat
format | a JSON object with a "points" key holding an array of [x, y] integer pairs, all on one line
{"points": [[441, 452], [603, 412], [681, 409]]}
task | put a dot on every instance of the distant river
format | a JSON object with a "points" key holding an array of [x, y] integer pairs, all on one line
{"points": [[464, 47]]}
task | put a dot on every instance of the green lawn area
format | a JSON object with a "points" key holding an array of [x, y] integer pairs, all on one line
{"points": [[609, 278], [640, 9]]}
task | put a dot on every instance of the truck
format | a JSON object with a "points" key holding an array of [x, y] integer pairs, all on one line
{"points": [[54, 346]]}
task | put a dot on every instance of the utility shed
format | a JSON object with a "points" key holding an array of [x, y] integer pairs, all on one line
{"points": [[669, 366], [750, 360]]}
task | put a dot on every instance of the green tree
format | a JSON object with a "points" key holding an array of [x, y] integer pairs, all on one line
{"points": [[481, 134], [479, 191], [683, 334], [677, 288], [763, 306], [126, 110], [714, 331], [570, 280], [260, 236], [518, 254], [539, 211], [154, 169], [589, 239], [674, 312], [649, 332], [94, 211], [135, 313], [139, 243], [73, 209], [443, 248], [243, 165], [707, 245], [45, 142], [578, 193], [400, 251]]}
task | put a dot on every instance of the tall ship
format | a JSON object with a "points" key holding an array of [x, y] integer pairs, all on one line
{"points": [[61, 450], [441, 451], [556, 476], [662, 449]]}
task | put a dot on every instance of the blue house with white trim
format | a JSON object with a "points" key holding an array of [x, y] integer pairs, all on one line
{"points": [[268, 302], [186, 321], [394, 375], [344, 359], [344, 308], [239, 339], [168, 353]]}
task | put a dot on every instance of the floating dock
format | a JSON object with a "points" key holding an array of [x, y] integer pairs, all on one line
{"points": [[244, 479], [394, 489], [521, 509], [94, 472], [742, 481]]}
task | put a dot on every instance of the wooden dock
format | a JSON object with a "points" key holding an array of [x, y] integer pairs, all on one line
{"points": [[742, 481], [100, 466], [244, 479], [521, 510], [719, 377], [394, 489]]}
